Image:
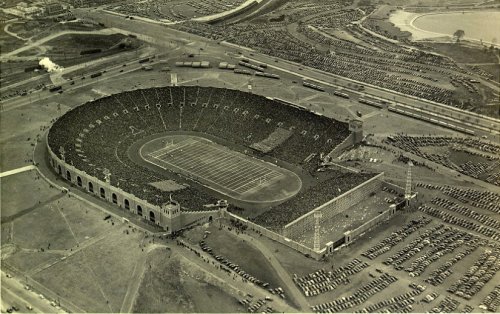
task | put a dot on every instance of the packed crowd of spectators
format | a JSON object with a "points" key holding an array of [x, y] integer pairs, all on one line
{"points": [[97, 135], [337, 182], [322, 281]]}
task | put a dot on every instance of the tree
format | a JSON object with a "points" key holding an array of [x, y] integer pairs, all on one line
{"points": [[459, 34]]}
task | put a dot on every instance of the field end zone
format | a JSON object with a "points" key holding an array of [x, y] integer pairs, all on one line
{"points": [[226, 171]]}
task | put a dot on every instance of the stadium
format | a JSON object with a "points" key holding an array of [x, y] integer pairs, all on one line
{"points": [[175, 155]]}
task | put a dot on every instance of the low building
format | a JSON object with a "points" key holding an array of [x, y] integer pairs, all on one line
{"points": [[54, 8]]}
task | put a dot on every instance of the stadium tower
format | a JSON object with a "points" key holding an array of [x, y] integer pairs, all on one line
{"points": [[408, 184], [171, 215], [317, 230], [356, 128]]}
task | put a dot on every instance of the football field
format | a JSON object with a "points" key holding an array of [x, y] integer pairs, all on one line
{"points": [[216, 166]]}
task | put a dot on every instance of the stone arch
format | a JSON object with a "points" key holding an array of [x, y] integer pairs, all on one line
{"points": [[102, 192], [68, 175], [114, 199], [91, 187], [126, 204], [139, 210], [59, 170], [79, 181], [152, 216]]}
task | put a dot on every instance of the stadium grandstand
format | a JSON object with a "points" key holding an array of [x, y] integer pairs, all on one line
{"points": [[97, 135]]}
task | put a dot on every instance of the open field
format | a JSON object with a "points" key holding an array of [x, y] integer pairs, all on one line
{"points": [[244, 253], [16, 200], [8, 42], [173, 284], [463, 53]]}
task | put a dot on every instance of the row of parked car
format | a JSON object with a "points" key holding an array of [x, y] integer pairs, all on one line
{"points": [[396, 304], [396, 237], [482, 199], [462, 222], [358, 297], [483, 270], [322, 281], [492, 300], [236, 268]]}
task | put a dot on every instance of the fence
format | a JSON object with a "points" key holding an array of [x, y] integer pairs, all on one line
{"points": [[333, 207], [279, 238]]}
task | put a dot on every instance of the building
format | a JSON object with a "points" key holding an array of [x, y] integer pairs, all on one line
{"points": [[54, 8]]}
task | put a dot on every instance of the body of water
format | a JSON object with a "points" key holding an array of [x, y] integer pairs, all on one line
{"points": [[479, 25]]}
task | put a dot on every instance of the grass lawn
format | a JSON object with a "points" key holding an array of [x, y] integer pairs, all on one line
{"points": [[26, 261], [238, 251], [15, 198], [8, 42], [464, 54], [493, 69], [41, 227], [72, 280], [99, 273]]}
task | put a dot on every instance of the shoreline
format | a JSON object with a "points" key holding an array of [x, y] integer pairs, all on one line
{"points": [[405, 22]]}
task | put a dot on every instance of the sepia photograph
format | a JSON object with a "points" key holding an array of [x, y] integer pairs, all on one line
{"points": [[250, 156]]}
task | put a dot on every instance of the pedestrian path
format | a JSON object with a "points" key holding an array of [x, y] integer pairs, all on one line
{"points": [[15, 171]]}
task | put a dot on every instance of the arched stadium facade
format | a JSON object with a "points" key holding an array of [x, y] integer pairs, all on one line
{"points": [[91, 146]]}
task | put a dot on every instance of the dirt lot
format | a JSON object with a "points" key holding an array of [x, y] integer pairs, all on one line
{"points": [[172, 284], [239, 252]]}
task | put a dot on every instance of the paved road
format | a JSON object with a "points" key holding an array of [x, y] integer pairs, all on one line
{"points": [[163, 35], [234, 280], [37, 43], [282, 273], [14, 294]]}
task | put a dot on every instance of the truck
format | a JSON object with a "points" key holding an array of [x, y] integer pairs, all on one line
{"points": [[55, 88]]}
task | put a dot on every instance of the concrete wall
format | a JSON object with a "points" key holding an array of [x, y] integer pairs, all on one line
{"points": [[356, 233], [347, 142], [278, 237], [333, 207], [188, 217], [124, 200]]}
